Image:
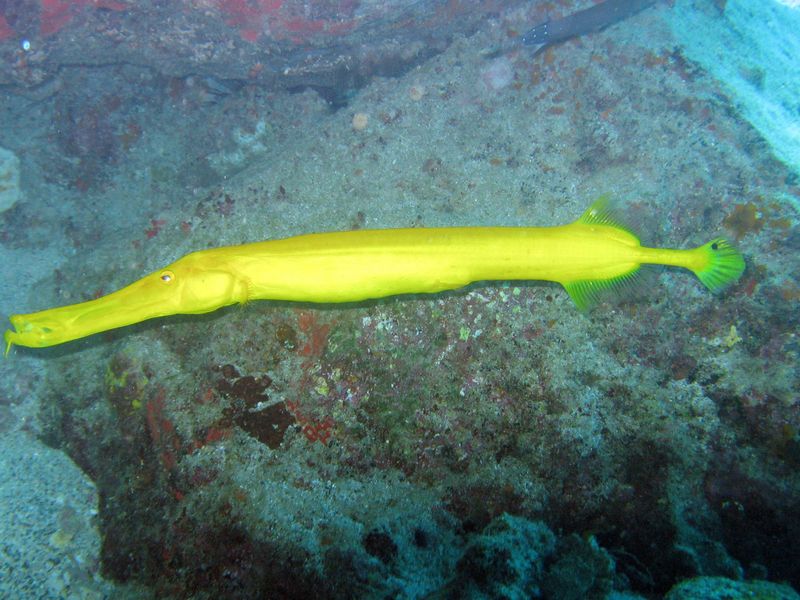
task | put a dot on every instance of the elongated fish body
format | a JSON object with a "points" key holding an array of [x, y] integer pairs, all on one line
{"points": [[592, 19], [358, 265], [589, 256]]}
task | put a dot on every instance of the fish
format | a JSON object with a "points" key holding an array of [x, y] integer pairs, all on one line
{"points": [[590, 20], [595, 254]]}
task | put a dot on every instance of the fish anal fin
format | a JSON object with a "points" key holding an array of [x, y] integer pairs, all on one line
{"points": [[587, 293]]}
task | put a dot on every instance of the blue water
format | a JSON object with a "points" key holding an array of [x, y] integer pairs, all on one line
{"points": [[491, 441]]}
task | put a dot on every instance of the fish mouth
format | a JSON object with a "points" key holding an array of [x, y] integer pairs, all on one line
{"points": [[66, 323]]}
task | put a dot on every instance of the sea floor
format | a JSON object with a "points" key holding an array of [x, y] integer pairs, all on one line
{"points": [[488, 442]]}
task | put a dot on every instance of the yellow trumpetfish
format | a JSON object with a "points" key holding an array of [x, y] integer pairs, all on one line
{"points": [[593, 254]]}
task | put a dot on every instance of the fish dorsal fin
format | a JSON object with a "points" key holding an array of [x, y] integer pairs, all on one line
{"points": [[603, 212]]}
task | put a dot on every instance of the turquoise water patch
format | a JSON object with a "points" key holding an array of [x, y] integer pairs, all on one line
{"points": [[752, 48]]}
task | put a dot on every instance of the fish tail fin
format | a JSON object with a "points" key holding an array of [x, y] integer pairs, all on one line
{"points": [[717, 264], [721, 266]]}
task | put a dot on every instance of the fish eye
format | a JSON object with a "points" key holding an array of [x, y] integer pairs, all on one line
{"points": [[167, 276]]}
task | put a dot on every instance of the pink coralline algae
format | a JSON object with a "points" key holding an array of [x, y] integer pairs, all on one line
{"points": [[279, 19], [250, 18], [54, 15], [5, 29], [284, 20], [166, 442]]}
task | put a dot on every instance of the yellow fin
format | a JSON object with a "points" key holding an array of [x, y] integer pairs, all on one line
{"points": [[723, 267], [604, 211], [586, 293]]}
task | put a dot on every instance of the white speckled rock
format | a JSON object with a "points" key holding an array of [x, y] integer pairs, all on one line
{"points": [[50, 543], [9, 179]]}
